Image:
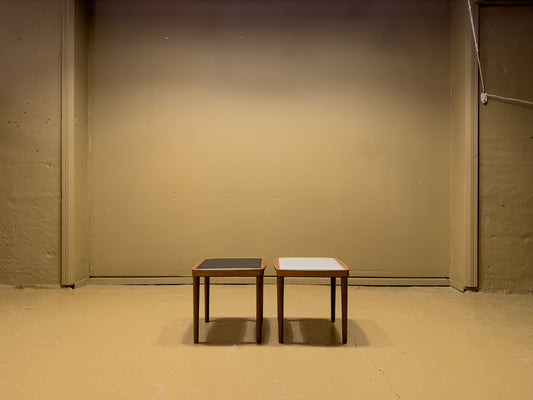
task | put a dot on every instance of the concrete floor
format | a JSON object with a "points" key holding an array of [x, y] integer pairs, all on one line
{"points": [[135, 342]]}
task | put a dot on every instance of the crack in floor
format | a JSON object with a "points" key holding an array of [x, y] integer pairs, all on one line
{"points": [[382, 373]]}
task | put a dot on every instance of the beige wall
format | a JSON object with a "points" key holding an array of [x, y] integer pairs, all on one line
{"points": [[218, 102], [506, 151], [270, 128], [30, 146]]}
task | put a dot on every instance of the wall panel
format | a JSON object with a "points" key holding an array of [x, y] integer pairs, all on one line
{"points": [[270, 128]]}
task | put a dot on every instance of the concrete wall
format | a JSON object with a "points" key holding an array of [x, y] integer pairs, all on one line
{"points": [[30, 142], [272, 129], [506, 151]]}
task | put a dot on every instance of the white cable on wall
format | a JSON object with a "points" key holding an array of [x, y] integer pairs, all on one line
{"points": [[484, 95]]}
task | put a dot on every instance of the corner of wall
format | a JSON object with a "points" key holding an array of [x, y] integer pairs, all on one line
{"points": [[75, 226], [463, 152]]}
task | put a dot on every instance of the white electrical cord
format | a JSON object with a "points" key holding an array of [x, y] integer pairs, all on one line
{"points": [[484, 95], [506, 98], [475, 42]]}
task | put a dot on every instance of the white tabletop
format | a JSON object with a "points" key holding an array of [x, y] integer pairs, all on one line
{"points": [[303, 263]]}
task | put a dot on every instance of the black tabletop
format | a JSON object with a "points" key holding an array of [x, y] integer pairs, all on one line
{"points": [[222, 263]]}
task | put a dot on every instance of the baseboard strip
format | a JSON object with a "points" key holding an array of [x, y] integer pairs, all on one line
{"points": [[269, 280]]}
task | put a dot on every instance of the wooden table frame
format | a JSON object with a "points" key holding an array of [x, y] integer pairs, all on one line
{"points": [[221, 272], [332, 274]]}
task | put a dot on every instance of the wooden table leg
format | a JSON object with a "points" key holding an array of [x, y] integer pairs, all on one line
{"points": [[259, 307], [333, 287], [195, 305], [344, 295], [280, 284], [206, 293]]}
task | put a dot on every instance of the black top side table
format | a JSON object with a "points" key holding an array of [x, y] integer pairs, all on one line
{"points": [[240, 267]]}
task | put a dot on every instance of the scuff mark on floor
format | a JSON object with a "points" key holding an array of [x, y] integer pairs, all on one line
{"points": [[158, 393], [231, 349]]}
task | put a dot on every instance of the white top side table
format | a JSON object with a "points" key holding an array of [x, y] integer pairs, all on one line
{"points": [[308, 267]]}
